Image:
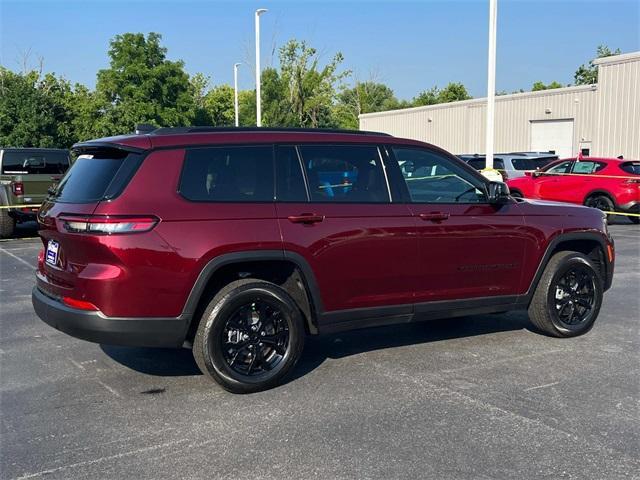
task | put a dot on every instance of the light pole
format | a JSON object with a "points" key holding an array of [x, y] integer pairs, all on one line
{"points": [[235, 92], [259, 12], [489, 172]]}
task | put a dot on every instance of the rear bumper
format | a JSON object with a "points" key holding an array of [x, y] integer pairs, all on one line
{"points": [[96, 327]]}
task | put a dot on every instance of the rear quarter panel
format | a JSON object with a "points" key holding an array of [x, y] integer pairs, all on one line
{"points": [[189, 234]]}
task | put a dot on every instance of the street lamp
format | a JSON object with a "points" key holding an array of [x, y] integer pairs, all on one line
{"points": [[488, 171], [259, 12], [235, 92]]}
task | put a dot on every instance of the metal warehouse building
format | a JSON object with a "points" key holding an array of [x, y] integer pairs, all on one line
{"points": [[599, 120]]}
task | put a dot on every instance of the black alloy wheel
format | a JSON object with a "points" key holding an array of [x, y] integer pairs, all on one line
{"points": [[255, 338], [250, 335], [574, 296]]}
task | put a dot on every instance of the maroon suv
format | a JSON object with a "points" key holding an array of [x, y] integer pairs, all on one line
{"points": [[240, 242]]}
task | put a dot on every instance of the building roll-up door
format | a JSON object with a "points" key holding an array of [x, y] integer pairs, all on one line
{"points": [[552, 135]]}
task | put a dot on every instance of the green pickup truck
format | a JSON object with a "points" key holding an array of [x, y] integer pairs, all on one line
{"points": [[25, 177]]}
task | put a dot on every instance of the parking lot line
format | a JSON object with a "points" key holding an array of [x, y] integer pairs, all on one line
{"points": [[21, 260]]}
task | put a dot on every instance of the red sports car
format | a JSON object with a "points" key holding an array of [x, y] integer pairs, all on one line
{"points": [[610, 184]]}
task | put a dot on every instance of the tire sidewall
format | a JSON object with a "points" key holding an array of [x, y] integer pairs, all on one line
{"points": [[215, 317], [565, 265]]}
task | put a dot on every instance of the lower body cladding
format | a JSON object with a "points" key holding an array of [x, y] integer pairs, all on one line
{"points": [[96, 327]]}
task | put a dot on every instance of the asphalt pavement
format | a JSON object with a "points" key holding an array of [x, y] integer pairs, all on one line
{"points": [[482, 397]]}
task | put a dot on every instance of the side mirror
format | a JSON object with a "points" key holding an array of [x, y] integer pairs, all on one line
{"points": [[498, 192], [536, 174]]}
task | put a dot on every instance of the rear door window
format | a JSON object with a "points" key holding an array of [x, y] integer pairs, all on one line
{"points": [[228, 174], [290, 185], [34, 162], [345, 173]]}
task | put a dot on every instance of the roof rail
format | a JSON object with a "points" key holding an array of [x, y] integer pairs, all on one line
{"points": [[142, 128], [182, 130]]}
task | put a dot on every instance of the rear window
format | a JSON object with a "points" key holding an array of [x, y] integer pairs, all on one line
{"points": [[631, 167], [531, 163], [97, 176], [228, 174], [34, 162]]}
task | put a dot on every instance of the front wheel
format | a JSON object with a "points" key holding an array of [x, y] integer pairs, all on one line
{"points": [[568, 297], [250, 336]]}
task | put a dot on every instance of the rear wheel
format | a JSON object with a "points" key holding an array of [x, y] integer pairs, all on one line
{"points": [[7, 224], [568, 297], [250, 336], [601, 202]]}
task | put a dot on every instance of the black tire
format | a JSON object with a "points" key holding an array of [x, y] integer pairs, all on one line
{"points": [[635, 220], [554, 294], [516, 194], [228, 343], [7, 224], [601, 202]]}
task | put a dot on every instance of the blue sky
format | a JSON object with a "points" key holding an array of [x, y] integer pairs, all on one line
{"points": [[409, 45]]}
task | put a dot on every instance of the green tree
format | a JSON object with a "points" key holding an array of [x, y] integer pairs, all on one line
{"points": [[427, 97], [276, 104], [199, 84], [142, 86], [537, 86], [309, 89], [35, 110], [453, 92], [588, 74], [218, 104], [363, 97]]}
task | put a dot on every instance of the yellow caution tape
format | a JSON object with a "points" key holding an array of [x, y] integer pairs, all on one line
{"points": [[7, 207], [590, 175], [622, 213]]}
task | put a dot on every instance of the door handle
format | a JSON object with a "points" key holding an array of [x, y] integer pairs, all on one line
{"points": [[434, 216], [306, 218]]}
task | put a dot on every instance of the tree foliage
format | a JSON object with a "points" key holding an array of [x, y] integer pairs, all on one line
{"points": [[141, 85], [537, 86], [35, 110], [363, 97], [588, 74]]}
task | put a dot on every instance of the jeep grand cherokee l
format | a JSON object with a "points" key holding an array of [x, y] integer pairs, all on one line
{"points": [[240, 242]]}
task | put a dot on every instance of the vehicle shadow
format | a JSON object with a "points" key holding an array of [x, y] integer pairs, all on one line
{"points": [[162, 362], [354, 342], [179, 362]]}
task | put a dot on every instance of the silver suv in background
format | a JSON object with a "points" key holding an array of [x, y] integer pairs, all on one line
{"points": [[511, 165]]}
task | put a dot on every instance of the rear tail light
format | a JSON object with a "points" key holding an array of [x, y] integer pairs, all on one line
{"points": [[108, 225], [79, 304], [17, 188]]}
